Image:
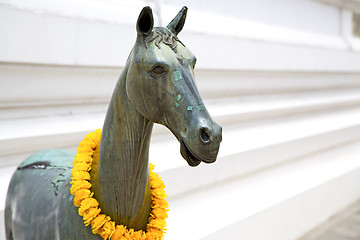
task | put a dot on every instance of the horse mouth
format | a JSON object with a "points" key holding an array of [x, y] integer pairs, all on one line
{"points": [[192, 159]]}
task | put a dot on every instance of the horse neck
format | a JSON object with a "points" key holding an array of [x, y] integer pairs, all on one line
{"points": [[122, 182]]}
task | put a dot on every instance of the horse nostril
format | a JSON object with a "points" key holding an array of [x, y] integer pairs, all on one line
{"points": [[204, 136]]}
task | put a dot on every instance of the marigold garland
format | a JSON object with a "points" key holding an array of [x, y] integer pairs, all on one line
{"points": [[89, 206]]}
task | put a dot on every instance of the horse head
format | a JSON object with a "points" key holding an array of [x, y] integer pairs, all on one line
{"points": [[160, 85]]}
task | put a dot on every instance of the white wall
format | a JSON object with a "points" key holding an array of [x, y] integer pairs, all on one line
{"points": [[282, 78]]}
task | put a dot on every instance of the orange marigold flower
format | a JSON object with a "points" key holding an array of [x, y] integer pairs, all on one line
{"points": [[151, 166], [79, 184], [80, 195], [107, 230], [80, 175], [158, 192], [90, 214], [85, 147], [149, 237], [159, 203], [87, 204], [154, 233], [98, 222], [153, 176], [157, 223], [157, 183], [119, 232], [79, 158], [136, 235], [127, 236], [85, 152], [159, 213], [82, 166]]}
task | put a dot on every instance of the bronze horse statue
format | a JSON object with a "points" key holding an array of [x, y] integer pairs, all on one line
{"points": [[156, 85]]}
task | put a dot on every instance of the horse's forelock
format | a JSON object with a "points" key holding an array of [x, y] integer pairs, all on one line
{"points": [[163, 35]]}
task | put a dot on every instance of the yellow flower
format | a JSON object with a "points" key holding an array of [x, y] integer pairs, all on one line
{"points": [[155, 233], [80, 175], [127, 236], [82, 166], [90, 214], [158, 192], [157, 223], [149, 237], [153, 176], [107, 230], [81, 184], [119, 232], [80, 195], [151, 166], [85, 150], [137, 235], [79, 158], [98, 222], [158, 184], [159, 203], [89, 206], [159, 213]]}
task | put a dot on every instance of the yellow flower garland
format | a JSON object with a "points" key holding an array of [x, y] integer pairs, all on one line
{"points": [[89, 206]]}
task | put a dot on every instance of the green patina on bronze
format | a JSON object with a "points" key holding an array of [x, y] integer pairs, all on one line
{"points": [[39, 204], [200, 107], [177, 76]]}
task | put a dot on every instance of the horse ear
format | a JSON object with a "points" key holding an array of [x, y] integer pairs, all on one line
{"points": [[176, 25], [145, 21]]}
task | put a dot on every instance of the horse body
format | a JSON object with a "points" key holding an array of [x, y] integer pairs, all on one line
{"points": [[156, 85], [39, 204]]}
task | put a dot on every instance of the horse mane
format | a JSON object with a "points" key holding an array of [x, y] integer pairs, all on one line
{"points": [[163, 35]]}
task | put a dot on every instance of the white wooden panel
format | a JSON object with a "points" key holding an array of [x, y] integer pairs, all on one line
{"points": [[278, 203]]}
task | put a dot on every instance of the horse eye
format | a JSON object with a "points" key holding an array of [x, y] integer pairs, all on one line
{"points": [[158, 70]]}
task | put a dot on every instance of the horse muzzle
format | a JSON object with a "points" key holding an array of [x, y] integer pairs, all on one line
{"points": [[202, 145]]}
